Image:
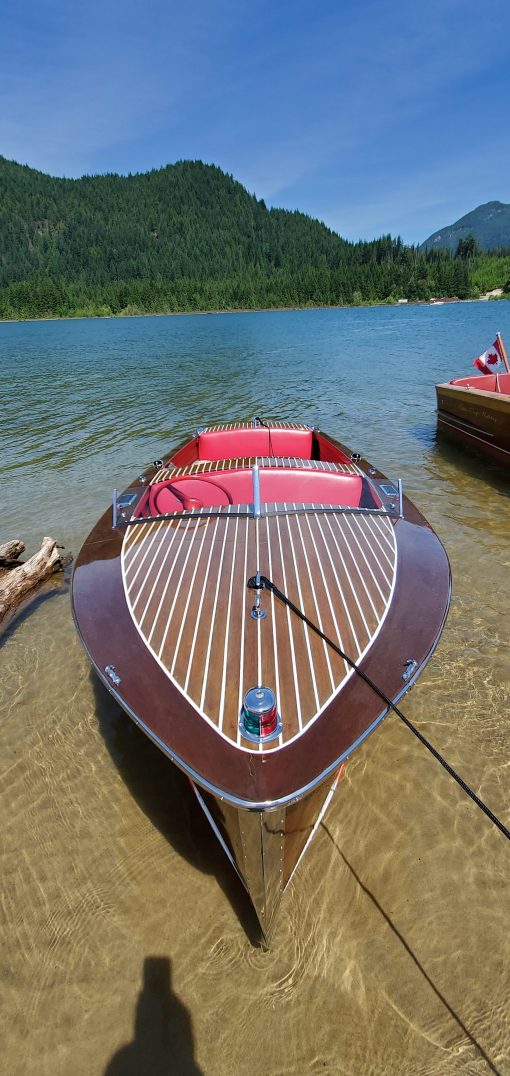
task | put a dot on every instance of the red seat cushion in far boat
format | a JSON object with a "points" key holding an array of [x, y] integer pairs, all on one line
{"points": [[277, 486], [484, 382], [254, 441]]}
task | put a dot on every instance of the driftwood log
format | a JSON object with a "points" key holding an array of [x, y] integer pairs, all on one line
{"points": [[18, 579], [10, 551]]}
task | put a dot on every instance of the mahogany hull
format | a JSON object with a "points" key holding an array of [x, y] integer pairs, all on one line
{"points": [[265, 847], [476, 417], [162, 604]]}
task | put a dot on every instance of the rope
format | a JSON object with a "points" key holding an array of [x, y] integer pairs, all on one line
{"points": [[268, 428], [264, 583]]}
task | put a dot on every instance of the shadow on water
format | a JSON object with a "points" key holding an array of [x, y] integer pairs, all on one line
{"points": [[54, 587], [465, 1031], [163, 1038], [469, 464], [167, 799]]}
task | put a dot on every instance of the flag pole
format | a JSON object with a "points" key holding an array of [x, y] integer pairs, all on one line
{"points": [[504, 354]]}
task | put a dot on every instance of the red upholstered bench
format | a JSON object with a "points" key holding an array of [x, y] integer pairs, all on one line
{"points": [[254, 441], [296, 443], [233, 444], [286, 485]]}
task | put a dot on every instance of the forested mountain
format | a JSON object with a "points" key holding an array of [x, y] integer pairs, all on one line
{"points": [[189, 237], [489, 225]]}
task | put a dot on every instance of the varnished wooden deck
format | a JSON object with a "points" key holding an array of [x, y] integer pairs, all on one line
{"points": [[209, 466], [185, 584]]}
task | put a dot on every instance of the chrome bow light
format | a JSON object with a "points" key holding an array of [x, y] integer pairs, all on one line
{"points": [[259, 719]]}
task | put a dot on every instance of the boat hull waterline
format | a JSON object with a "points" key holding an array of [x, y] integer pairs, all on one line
{"points": [[475, 411], [258, 710]]}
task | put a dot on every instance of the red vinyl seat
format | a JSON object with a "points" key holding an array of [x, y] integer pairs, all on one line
{"points": [[286, 485], [254, 441]]}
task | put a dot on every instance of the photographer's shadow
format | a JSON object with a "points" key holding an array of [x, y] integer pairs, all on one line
{"points": [[163, 1037]]}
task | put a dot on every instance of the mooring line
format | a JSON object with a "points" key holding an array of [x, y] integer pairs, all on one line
{"points": [[262, 582]]}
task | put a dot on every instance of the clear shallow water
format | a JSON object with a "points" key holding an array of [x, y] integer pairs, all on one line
{"points": [[126, 938]]}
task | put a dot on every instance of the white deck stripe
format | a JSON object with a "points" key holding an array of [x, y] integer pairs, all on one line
{"points": [[133, 532], [143, 558], [213, 618], [260, 681], [358, 569], [241, 648], [328, 596], [372, 547], [197, 621], [167, 584], [227, 630], [154, 585], [289, 625], [186, 607], [198, 467], [341, 590], [315, 602], [354, 591], [377, 538], [275, 639], [348, 522], [385, 527], [176, 595], [306, 629]]}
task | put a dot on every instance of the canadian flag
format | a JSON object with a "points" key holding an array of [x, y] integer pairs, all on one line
{"points": [[491, 362]]}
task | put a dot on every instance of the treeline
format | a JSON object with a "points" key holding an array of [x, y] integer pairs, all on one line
{"points": [[188, 237]]}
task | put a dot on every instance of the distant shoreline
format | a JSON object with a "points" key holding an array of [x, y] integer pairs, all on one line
{"points": [[247, 310]]}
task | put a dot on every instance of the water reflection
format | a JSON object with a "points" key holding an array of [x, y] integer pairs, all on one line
{"points": [[86, 404], [165, 796], [56, 586], [455, 1016], [163, 1038], [462, 463]]}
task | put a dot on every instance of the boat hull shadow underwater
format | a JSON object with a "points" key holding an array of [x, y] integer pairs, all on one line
{"points": [[240, 600]]}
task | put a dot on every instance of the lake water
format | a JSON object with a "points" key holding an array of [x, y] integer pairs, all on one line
{"points": [[127, 940]]}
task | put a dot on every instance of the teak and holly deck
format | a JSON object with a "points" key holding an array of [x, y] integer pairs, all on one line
{"points": [[162, 604]]}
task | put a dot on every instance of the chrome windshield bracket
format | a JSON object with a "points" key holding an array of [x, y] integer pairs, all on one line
{"points": [[400, 498], [256, 491]]}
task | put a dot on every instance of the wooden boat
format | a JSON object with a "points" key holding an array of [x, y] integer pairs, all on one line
{"points": [[475, 410], [179, 595]]}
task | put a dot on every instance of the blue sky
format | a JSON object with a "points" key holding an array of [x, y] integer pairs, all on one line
{"points": [[375, 117]]}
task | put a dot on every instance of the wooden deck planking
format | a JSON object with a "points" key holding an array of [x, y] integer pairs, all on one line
{"points": [[186, 587]]}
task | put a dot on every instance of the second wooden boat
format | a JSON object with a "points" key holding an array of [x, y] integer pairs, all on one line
{"points": [[227, 602], [475, 410]]}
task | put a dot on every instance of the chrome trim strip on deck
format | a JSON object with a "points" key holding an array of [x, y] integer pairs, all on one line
{"points": [[301, 509]]}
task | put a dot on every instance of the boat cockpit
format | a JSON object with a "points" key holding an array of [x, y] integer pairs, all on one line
{"points": [[275, 466]]}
